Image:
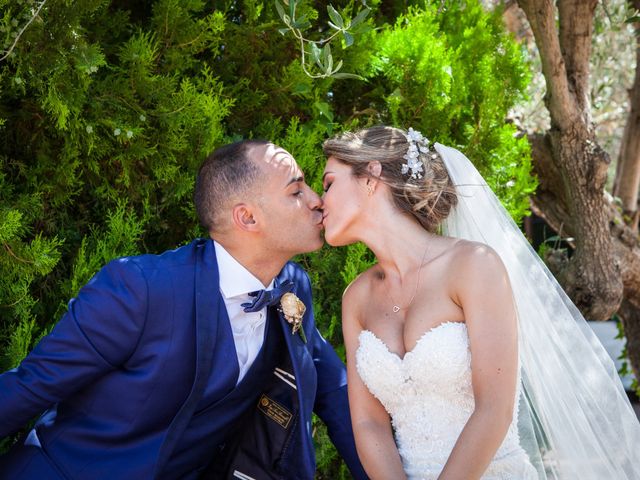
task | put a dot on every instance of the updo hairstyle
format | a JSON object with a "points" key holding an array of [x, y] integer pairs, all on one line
{"points": [[428, 199]]}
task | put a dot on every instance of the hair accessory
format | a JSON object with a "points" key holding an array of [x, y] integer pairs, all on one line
{"points": [[417, 144]]}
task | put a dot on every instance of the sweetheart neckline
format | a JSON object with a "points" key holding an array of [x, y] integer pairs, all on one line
{"points": [[422, 337]]}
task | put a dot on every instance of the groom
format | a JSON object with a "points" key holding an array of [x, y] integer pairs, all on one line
{"points": [[171, 366]]}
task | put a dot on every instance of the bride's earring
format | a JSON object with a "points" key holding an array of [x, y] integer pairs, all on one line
{"points": [[370, 188]]}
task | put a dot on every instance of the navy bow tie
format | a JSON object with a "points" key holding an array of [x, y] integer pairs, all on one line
{"points": [[267, 298]]}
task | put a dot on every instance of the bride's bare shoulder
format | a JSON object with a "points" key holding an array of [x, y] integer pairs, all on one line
{"points": [[467, 250], [470, 257]]}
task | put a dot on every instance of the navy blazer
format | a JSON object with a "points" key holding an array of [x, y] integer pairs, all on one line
{"points": [[122, 372]]}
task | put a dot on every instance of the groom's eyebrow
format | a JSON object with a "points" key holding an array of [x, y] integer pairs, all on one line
{"points": [[294, 180]]}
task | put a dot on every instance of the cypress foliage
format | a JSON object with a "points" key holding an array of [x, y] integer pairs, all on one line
{"points": [[108, 107]]}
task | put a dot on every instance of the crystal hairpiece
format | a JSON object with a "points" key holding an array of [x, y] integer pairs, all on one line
{"points": [[417, 144]]}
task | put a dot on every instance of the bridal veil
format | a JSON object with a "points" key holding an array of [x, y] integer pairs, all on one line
{"points": [[575, 420]]}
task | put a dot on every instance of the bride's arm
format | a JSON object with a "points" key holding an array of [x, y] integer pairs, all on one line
{"points": [[371, 424], [484, 293]]}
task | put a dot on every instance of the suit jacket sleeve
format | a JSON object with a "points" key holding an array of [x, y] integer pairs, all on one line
{"points": [[332, 403], [97, 334]]}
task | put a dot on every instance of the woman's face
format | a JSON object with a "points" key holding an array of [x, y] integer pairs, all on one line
{"points": [[344, 197]]}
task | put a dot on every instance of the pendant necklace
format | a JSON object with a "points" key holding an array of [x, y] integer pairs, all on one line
{"points": [[396, 307]]}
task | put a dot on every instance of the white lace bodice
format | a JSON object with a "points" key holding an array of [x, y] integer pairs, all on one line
{"points": [[429, 396]]}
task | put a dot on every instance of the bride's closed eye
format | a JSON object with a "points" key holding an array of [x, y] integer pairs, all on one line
{"points": [[326, 187]]}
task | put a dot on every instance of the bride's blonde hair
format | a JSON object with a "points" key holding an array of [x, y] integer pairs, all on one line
{"points": [[428, 199]]}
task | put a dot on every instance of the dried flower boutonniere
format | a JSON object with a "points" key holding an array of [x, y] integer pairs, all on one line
{"points": [[293, 309]]}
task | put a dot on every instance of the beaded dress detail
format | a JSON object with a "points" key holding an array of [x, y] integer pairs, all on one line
{"points": [[429, 397]]}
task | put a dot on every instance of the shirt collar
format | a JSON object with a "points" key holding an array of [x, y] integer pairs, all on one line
{"points": [[235, 279]]}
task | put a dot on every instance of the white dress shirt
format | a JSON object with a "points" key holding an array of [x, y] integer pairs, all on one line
{"points": [[248, 328]]}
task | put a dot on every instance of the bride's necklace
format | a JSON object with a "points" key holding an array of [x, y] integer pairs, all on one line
{"points": [[396, 306]]}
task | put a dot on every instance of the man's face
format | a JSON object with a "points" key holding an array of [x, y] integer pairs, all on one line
{"points": [[288, 210]]}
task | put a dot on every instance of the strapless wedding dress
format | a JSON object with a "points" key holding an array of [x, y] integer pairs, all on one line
{"points": [[429, 398]]}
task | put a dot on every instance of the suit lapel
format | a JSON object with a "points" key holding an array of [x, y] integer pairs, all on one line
{"points": [[304, 371], [208, 309]]}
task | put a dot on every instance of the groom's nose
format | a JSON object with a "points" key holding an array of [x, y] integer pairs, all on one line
{"points": [[314, 202]]}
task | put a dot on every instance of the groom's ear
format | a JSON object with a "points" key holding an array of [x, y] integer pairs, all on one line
{"points": [[243, 217]]}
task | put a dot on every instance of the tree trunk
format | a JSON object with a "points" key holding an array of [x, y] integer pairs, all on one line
{"points": [[627, 181], [626, 249], [592, 276]]}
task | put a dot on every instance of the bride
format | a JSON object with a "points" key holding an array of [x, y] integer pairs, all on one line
{"points": [[465, 358]]}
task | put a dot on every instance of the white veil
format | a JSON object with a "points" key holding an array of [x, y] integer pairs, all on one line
{"points": [[575, 420]]}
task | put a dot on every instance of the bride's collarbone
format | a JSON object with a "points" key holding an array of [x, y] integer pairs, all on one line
{"points": [[419, 293]]}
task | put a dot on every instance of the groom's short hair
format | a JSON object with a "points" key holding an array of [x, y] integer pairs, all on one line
{"points": [[226, 173]]}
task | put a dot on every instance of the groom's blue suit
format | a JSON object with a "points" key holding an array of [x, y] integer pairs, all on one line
{"points": [[137, 379]]}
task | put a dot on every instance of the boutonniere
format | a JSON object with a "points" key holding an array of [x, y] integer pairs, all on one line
{"points": [[293, 309]]}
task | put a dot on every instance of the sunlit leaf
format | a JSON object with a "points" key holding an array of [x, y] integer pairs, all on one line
{"points": [[335, 17]]}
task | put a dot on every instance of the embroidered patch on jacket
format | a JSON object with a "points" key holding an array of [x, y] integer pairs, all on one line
{"points": [[275, 411]]}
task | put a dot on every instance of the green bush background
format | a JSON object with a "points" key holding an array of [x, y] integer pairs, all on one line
{"points": [[108, 107]]}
